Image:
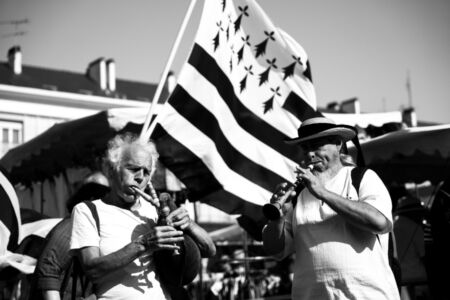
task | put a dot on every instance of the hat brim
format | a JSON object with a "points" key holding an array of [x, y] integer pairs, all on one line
{"points": [[344, 133]]}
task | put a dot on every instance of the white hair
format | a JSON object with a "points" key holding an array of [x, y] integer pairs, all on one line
{"points": [[114, 152]]}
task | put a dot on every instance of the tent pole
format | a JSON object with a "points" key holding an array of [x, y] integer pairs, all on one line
{"points": [[145, 133], [200, 277]]}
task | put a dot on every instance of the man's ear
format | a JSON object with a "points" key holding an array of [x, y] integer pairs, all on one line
{"points": [[339, 145]]}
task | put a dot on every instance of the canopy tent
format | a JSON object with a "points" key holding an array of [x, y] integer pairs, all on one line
{"points": [[366, 119], [70, 144], [410, 155], [419, 155], [49, 166]]}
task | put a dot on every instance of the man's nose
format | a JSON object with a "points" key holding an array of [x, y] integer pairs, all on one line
{"points": [[139, 176], [310, 154]]}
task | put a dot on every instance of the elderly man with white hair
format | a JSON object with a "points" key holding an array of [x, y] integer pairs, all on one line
{"points": [[117, 251]]}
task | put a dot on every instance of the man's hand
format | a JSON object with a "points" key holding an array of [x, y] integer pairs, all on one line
{"points": [[161, 238], [282, 192], [311, 181], [179, 218]]}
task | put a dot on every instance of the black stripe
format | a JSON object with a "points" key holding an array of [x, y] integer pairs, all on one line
{"points": [[206, 122], [9, 218], [299, 108], [311, 129], [200, 182], [185, 165], [233, 204], [207, 66], [307, 72]]}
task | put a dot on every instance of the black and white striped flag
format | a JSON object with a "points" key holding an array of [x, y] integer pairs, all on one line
{"points": [[245, 88], [22, 231], [10, 222]]}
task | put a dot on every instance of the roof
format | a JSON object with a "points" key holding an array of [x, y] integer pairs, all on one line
{"points": [[65, 81]]}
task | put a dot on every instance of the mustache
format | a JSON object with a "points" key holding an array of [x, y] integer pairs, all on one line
{"points": [[308, 164]]}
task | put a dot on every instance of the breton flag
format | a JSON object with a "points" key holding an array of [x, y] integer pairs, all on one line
{"points": [[22, 231], [245, 88], [9, 216]]}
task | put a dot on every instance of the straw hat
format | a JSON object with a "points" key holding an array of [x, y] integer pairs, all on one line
{"points": [[318, 127]]}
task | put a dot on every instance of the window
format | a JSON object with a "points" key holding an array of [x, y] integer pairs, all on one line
{"points": [[5, 135], [11, 135]]}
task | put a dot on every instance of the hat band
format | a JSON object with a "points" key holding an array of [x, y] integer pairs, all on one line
{"points": [[313, 129]]}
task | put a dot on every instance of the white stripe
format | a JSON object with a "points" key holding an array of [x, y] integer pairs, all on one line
{"points": [[193, 139], [254, 96], [24, 263], [40, 228], [4, 238], [206, 94], [9, 189]]}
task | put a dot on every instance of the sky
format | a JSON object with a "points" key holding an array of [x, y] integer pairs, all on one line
{"points": [[357, 48]]}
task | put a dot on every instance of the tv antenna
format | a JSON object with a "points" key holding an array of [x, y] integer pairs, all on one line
{"points": [[16, 24], [408, 89]]}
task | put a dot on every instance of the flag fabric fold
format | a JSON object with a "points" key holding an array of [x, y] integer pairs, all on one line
{"points": [[22, 231], [245, 88], [10, 229]]}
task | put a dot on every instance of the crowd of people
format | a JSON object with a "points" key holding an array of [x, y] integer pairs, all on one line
{"points": [[334, 225]]}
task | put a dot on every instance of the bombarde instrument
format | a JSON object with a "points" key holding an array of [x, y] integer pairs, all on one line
{"points": [[273, 210]]}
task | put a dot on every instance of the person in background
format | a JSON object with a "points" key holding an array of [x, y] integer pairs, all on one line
{"points": [[52, 273], [119, 258], [339, 235]]}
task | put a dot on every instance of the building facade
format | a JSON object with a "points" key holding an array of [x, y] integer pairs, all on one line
{"points": [[32, 99]]}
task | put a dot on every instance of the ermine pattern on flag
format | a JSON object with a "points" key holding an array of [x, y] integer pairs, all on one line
{"points": [[245, 88]]}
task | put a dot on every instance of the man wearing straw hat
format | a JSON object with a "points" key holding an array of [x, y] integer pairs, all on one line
{"points": [[339, 234]]}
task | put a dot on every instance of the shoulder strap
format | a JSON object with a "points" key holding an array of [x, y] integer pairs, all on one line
{"points": [[357, 174], [94, 212], [75, 269]]}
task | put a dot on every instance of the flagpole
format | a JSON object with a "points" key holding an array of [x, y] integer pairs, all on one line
{"points": [[145, 133]]}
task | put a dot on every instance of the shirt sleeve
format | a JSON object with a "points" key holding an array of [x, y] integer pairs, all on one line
{"points": [[84, 229], [373, 191], [55, 257], [288, 236]]}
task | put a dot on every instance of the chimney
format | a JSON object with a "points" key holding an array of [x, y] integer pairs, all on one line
{"points": [[351, 106], [15, 59], [171, 82], [409, 117], [333, 106], [97, 72], [111, 71]]}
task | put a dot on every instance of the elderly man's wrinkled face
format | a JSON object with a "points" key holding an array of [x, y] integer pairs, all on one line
{"points": [[134, 171], [321, 153]]}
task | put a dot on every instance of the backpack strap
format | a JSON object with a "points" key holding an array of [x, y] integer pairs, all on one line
{"points": [[75, 269], [357, 174], [94, 212]]}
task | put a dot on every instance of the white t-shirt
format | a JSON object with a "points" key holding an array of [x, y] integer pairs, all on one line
{"points": [[118, 227], [334, 259]]}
